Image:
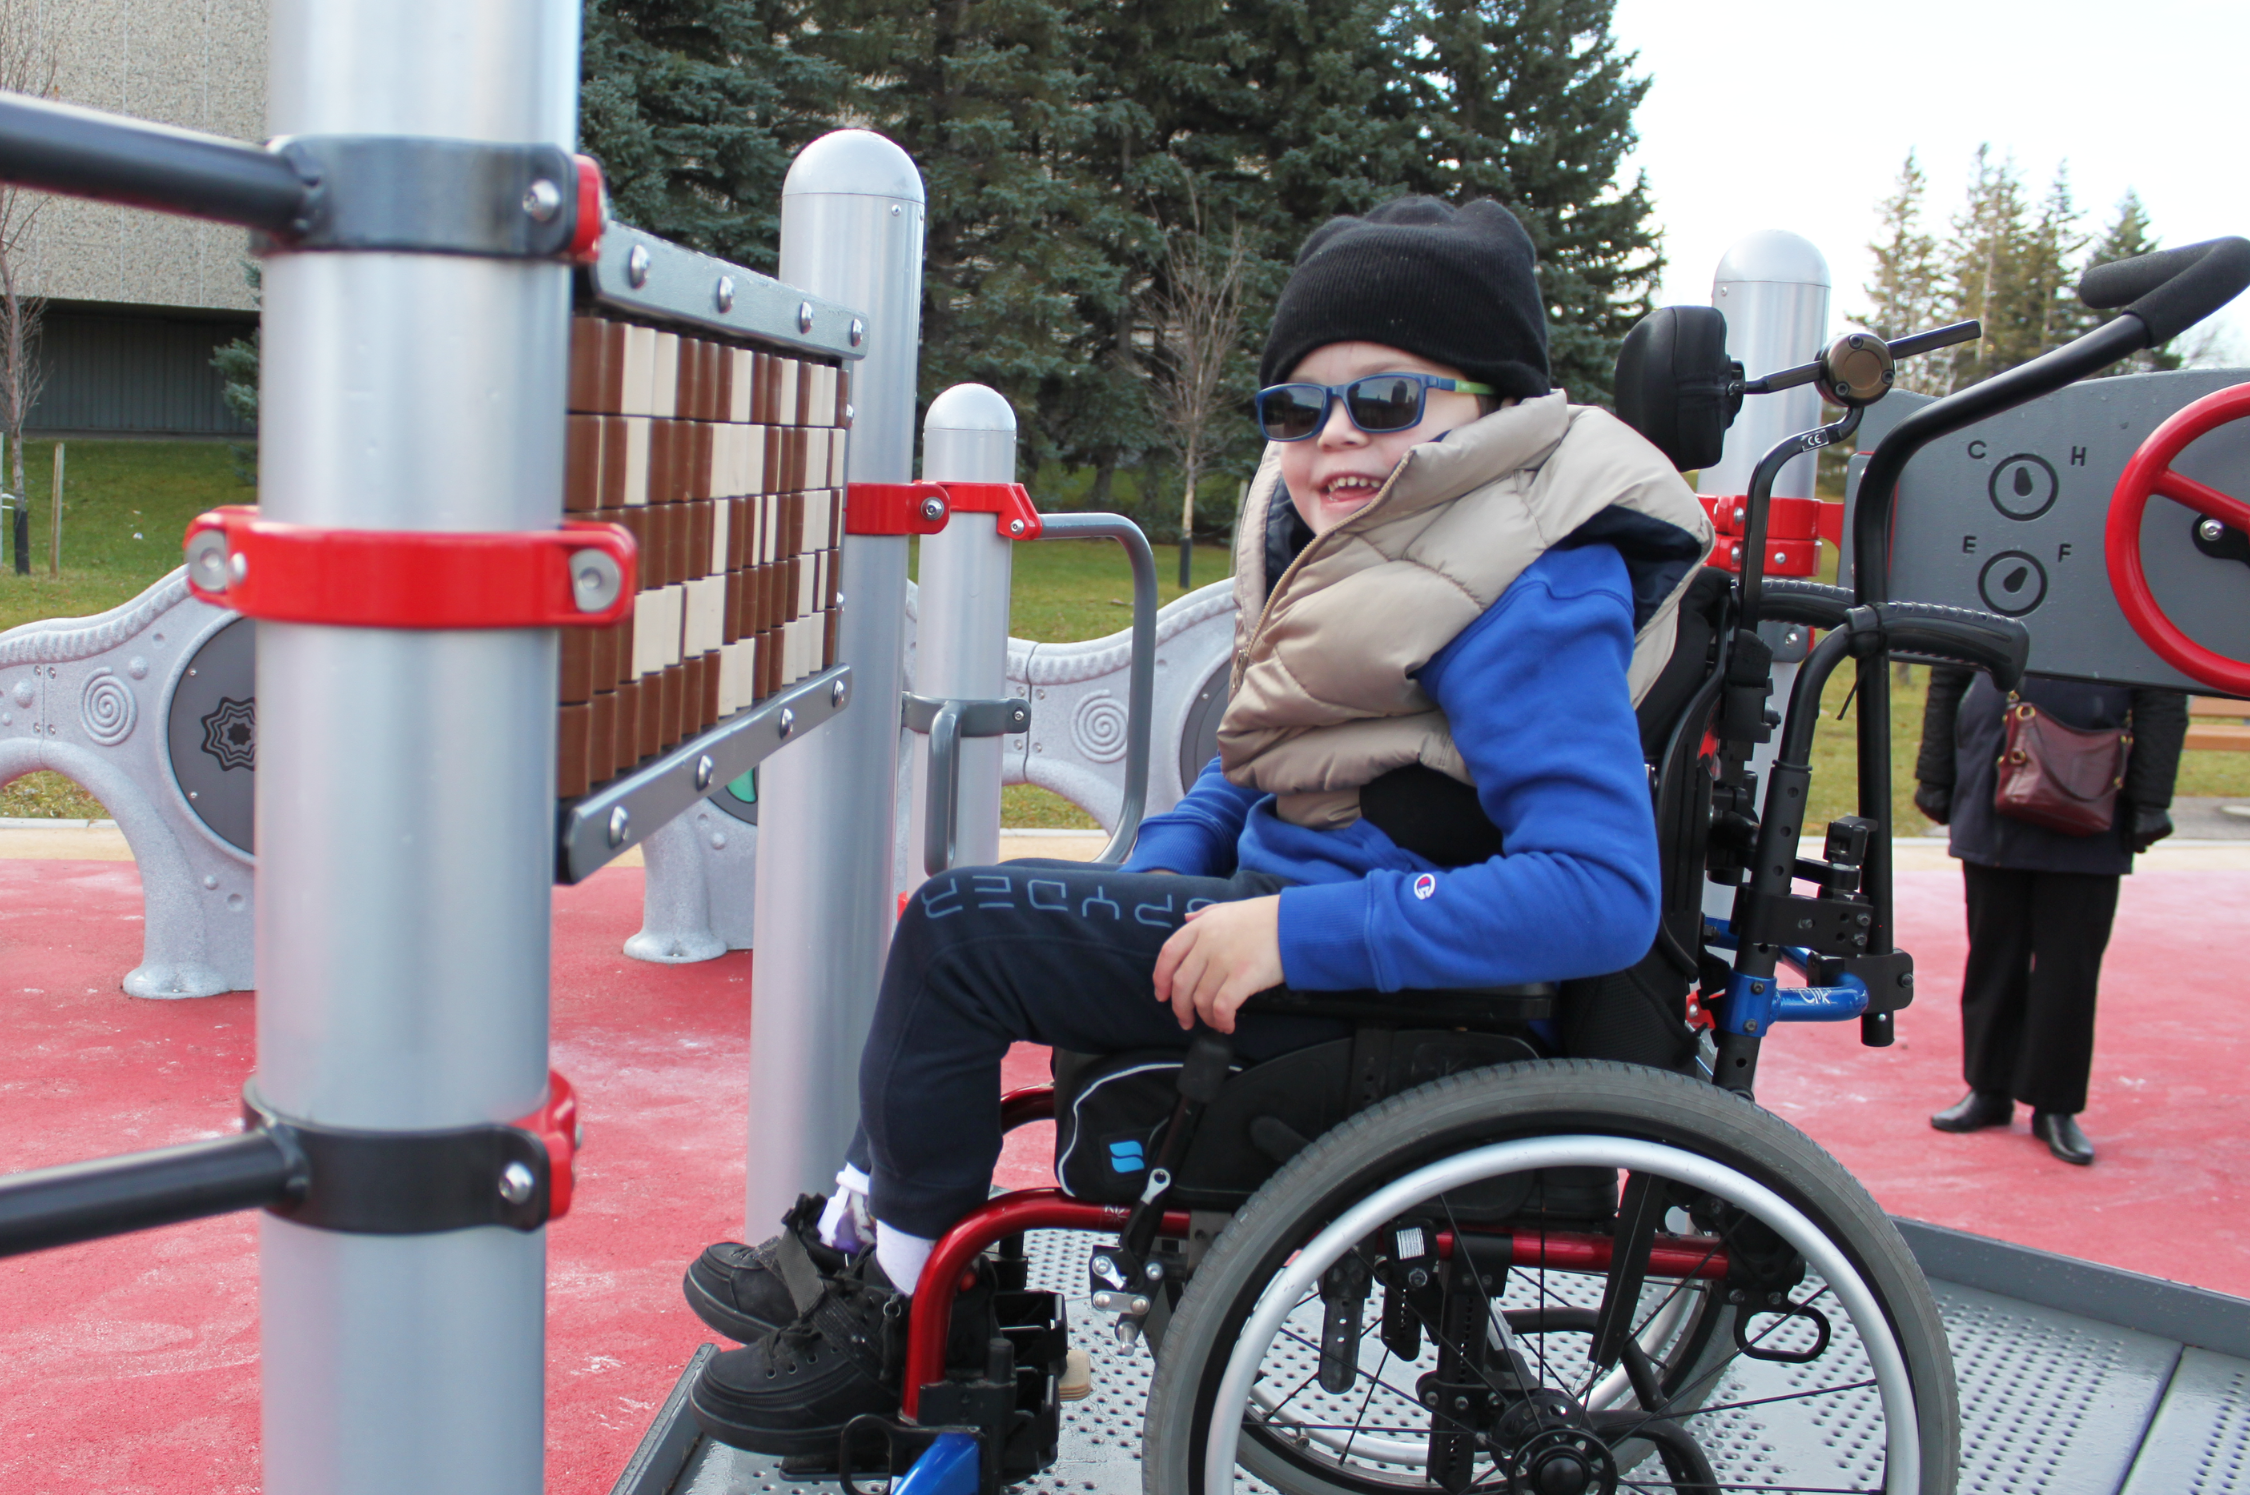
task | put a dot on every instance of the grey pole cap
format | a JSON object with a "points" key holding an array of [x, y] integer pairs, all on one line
{"points": [[1772, 254], [854, 163]]}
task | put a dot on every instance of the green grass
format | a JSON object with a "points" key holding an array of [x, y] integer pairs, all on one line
{"points": [[1066, 590], [126, 505]]}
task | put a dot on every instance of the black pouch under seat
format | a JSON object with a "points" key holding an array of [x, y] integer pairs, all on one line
{"points": [[1111, 1114]]}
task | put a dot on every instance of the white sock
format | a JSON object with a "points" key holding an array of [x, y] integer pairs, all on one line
{"points": [[845, 1224], [901, 1256]]}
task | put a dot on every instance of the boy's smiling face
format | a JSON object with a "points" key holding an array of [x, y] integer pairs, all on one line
{"points": [[1336, 473]]}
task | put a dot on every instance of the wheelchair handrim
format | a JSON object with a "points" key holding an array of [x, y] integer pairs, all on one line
{"points": [[1902, 1434]]}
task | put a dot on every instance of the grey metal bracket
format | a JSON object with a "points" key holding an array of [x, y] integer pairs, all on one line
{"points": [[945, 723], [626, 810], [642, 274], [406, 1183], [421, 196]]}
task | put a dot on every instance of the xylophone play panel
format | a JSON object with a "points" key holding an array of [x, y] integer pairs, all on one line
{"points": [[725, 460]]}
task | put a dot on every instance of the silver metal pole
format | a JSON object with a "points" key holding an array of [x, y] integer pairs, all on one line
{"points": [[851, 231], [405, 791], [961, 648], [1773, 287]]}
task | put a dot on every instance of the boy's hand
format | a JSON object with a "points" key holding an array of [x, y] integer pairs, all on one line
{"points": [[1222, 955]]}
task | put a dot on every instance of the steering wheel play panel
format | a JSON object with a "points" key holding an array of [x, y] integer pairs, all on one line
{"points": [[2150, 474]]}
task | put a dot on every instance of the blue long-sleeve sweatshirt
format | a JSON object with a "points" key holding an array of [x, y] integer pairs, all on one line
{"points": [[1535, 693]]}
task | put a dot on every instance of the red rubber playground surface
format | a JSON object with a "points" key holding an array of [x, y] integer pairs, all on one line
{"points": [[131, 1365]]}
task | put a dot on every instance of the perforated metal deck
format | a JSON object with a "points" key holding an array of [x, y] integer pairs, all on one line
{"points": [[2144, 1392]]}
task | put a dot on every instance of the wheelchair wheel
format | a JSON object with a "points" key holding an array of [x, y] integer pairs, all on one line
{"points": [[1408, 1307]]}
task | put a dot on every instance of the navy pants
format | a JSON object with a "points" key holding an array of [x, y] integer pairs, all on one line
{"points": [[1060, 953]]}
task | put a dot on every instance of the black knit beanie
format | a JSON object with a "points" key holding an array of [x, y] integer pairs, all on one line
{"points": [[1450, 284]]}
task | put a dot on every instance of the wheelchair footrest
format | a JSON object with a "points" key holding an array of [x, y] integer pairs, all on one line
{"points": [[982, 1427]]}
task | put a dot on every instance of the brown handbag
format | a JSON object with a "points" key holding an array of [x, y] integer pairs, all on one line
{"points": [[2061, 777]]}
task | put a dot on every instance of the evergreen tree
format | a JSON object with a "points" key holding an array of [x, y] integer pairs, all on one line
{"points": [[695, 108], [1531, 102], [2047, 289], [1909, 293], [2129, 236], [1987, 254], [1063, 143]]}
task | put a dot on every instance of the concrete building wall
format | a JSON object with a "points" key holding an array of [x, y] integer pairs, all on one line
{"points": [[198, 64]]}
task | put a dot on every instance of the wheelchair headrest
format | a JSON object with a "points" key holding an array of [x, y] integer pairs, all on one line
{"points": [[1676, 385]]}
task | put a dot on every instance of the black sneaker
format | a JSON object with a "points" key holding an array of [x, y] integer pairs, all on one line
{"points": [[740, 1290], [791, 1392]]}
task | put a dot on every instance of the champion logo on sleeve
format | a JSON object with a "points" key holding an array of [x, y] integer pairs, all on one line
{"points": [[1425, 885]]}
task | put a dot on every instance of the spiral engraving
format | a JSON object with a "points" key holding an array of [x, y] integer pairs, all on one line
{"points": [[106, 708], [1097, 727]]}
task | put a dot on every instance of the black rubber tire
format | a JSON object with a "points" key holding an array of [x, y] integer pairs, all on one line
{"points": [[1532, 1099]]}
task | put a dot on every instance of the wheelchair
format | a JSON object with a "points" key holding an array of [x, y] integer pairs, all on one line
{"points": [[1541, 1239]]}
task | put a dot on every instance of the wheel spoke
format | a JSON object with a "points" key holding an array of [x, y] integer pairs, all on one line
{"points": [[2182, 489], [1709, 1375], [1373, 1381], [1314, 1346], [1630, 1484], [1461, 1249]]}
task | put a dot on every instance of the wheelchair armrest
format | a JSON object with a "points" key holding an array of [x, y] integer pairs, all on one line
{"points": [[1489, 1007]]}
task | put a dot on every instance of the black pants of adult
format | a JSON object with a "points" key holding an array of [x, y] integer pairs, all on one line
{"points": [[1060, 953], [2027, 995]]}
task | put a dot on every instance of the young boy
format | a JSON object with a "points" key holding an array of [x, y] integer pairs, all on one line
{"points": [[1441, 563]]}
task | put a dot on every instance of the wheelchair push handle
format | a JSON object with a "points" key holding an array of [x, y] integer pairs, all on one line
{"points": [[2172, 289], [1985, 641], [1813, 603]]}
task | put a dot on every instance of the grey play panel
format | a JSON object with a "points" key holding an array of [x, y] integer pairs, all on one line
{"points": [[2137, 1387]]}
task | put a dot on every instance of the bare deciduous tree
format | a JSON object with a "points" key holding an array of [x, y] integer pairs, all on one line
{"points": [[27, 66], [1199, 321]]}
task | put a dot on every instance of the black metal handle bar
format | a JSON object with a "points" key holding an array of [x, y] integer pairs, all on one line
{"points": [[2172, 289], [1759, 502], [111, 1196], [84, 153], [1905, 347]]}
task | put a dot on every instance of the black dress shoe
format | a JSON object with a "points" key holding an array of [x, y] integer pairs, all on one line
{"points": [[1975, 1111], [2059, 1130]]}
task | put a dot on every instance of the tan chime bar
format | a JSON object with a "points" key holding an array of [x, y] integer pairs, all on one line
{"points": [[726, 462]]}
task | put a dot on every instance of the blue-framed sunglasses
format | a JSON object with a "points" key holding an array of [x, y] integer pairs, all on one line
{"points": [[1377, 403]]}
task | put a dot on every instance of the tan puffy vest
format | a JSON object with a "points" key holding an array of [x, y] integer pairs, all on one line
{"points": [[1324, 697]]}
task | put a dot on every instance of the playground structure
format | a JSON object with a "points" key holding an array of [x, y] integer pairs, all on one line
{"points": [[405, 1206]]}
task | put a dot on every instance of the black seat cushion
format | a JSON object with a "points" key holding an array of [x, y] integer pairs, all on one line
{"points": [[1111, 1112]]}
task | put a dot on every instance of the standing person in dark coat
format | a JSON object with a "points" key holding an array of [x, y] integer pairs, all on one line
{"points": [[2040, 901]]}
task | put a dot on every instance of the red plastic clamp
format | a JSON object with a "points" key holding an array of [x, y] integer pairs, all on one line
{"points": [[1786, 518], [593, 214], [1008, 503], [581, 575], [895, 508], [1783, 557], [555, 1124]]}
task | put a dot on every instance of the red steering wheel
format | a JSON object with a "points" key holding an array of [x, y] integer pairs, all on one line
{"points": [[2150, 474]]}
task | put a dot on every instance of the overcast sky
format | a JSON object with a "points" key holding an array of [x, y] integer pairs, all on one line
{"points": [[1796, 114]]}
